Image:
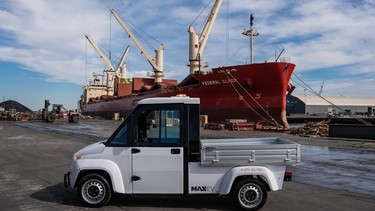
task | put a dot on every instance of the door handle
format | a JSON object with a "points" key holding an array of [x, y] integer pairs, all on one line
{"points": [[135, 178], [175, 151], [135, 150]]}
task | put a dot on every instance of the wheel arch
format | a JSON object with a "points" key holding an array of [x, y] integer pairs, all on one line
{"points": [[107, 169], [101, 172], [271, 180], [243, 177]]}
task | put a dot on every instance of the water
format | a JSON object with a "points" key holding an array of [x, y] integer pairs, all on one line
{"points": [[342, 169]]}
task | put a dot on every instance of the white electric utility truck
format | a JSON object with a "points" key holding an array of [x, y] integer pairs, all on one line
{"points": [[157, 150]]}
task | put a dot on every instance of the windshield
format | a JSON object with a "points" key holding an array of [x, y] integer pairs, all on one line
{"points": [[121, 136]]}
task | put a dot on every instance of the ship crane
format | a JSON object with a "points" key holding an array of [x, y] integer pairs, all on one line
{"points": [[121, 67], [157, 62], [197, 41], [119, 72], [110, 72]]}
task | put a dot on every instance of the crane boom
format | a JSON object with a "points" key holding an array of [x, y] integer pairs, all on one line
{"points": [[197, 42], [208, 26], [321, 88], [110, 71], [101, 55], [157, 62], [120, 64]]}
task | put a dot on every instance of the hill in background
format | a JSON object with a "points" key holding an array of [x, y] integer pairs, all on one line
{"points": [[11, 104]]}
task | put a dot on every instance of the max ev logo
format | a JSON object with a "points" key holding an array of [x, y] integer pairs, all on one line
{"points": [[202, 188]]}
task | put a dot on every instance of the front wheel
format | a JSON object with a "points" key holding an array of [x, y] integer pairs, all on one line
{"points": [[250, 194], [94, 190], [51, 118], [74, 118]]}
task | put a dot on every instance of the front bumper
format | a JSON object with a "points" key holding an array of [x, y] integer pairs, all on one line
{"points": [[67, 179]]}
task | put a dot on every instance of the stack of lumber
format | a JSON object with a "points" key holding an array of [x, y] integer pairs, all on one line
{"points": [[311, 129]]}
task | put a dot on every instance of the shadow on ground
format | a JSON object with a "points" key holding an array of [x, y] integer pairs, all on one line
{"points": [[58, 194]]}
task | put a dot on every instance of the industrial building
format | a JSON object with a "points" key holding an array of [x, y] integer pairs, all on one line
{"points": [[314, 105]]}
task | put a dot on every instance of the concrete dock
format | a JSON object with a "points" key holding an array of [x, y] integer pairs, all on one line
{"points": [[35, 156]]}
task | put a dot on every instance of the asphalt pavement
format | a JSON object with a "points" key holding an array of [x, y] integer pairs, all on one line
{"points": [[35, 156]]}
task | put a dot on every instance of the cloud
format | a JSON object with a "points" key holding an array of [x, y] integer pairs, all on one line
{"points": [[339, 87], [47, 36], [328, 34]]}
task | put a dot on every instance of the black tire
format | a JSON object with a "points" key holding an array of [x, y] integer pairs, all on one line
{"points": [[74, 118], [250, 194], [94, 190], [51, 118]]}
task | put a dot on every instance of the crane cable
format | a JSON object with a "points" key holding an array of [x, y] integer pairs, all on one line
{"points": [[308, 88], [134, 29], [274, 122], [208, 3]]}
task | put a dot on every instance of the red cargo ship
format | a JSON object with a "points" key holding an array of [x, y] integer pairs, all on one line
{"points": [[256, 92]]}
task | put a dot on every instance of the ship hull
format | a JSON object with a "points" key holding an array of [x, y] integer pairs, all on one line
{"points": [[256, 92]]}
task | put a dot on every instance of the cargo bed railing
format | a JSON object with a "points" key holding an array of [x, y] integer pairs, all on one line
{"points": [[251, 151]]}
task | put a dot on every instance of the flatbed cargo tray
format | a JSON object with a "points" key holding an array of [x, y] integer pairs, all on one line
{"points": [[250, 151]]}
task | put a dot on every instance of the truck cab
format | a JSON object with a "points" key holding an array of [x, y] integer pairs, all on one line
{"points": [[157, 150]]}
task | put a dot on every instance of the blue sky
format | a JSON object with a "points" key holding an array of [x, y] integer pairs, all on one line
{"points": [[44, 54]]}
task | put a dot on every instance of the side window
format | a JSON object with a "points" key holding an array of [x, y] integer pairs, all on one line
{"points": [[159, 127], [170, 126], [120, 138], [153, 126]]}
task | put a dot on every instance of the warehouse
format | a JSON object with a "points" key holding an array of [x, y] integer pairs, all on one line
{"points": [[342, 105]]}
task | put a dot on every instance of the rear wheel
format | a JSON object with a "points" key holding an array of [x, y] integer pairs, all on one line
{"points": [[94, 190], [250, 194]]}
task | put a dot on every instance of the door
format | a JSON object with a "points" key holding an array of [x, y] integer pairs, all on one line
{"points": [[157, 153]]}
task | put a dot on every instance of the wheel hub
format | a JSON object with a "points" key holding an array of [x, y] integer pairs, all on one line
{"points": [[250, 196], [93, 191]]}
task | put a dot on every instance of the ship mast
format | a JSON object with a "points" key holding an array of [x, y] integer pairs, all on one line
{"points": [[197, 41], [251, 34]]}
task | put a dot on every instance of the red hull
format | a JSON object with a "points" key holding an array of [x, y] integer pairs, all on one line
{"points": [[256, 92]]}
